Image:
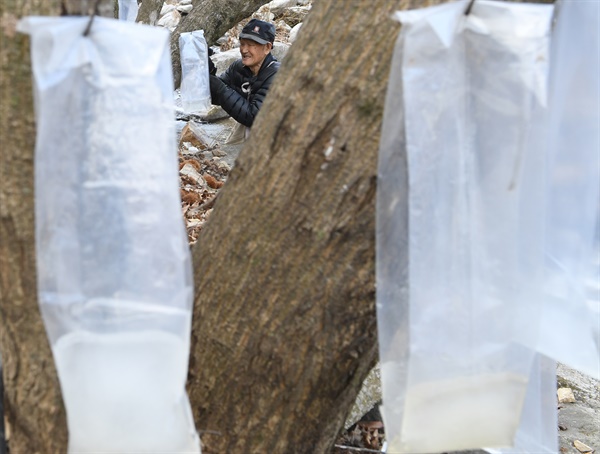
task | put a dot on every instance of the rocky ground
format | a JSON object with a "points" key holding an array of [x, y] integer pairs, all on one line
{"points": [[579, 421], [204, 165]]}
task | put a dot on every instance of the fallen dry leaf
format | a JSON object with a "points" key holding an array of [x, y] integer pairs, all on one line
{"points": [[201, 179], [191, 223], [212, 181], [190, 197], [565, 395], [582, 447]]}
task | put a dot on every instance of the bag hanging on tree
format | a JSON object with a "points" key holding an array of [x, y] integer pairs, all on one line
{"points": [[195, 86], [459, 261], [570, 316], [572, 236], [128, 10], [113, 263]]}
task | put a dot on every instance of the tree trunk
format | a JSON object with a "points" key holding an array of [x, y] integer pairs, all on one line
{"points": [[215, 17], [149, 12], [34, 413]]}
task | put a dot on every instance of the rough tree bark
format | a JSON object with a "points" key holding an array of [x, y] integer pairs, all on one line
{"points": [[34, 416], [34, 413], [215, 17], [149, 11]]}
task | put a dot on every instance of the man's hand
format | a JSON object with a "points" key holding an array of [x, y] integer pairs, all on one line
{"points": [[212, 69]]}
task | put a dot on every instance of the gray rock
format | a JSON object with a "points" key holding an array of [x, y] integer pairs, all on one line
{"points": [[214, 114], [166, 8], [294, 15], [277, 6], [223, 60], [368, 396], [294, 32], [193, 175], [170, 20], [280, 50], [280, 24], [184, 8]]}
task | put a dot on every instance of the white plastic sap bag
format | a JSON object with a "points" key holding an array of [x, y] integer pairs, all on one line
{"points": [[572, 248], [572, 251], [128, 10], [455, 304], [112, 257], [195, 87]]}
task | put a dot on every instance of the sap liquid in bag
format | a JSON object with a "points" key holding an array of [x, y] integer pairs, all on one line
{"points": [[113, 263], [537, 432], [455, 307], [195, 87]]}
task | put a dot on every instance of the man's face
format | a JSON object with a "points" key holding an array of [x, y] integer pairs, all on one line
{"points": [[253, 53]]}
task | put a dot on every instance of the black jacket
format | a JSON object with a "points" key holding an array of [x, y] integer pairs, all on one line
{"points": [[242, 93]]}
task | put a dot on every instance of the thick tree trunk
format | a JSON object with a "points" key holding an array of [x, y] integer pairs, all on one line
{"points": [[215, 17], [34, 413]]}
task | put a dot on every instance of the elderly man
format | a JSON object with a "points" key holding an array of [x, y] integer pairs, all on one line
{"points": [[242, 88]]}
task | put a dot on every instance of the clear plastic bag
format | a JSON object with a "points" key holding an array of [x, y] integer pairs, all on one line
{"points": [[571, 300], [195, 87], [455, 305], [572, 244], [128, 10], [114, 273]]}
